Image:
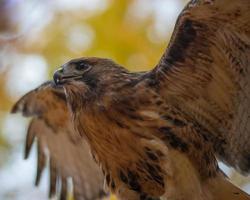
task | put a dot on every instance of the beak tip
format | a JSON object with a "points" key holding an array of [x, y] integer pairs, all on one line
{"points": [[57, 78]]}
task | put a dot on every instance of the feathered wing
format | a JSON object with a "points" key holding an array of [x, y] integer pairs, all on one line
{"points": [[205, 73], [69, 155]]}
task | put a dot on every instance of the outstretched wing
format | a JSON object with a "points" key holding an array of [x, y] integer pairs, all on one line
{"points": [[69, 155], [205, 73]]}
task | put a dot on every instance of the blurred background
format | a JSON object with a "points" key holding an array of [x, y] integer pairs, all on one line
{"points": [[36, 37]]}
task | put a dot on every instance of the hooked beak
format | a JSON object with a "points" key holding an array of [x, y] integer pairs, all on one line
{"points": [[60, 78]]}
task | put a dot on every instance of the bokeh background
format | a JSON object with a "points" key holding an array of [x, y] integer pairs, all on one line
{"points": [[36, 37]]}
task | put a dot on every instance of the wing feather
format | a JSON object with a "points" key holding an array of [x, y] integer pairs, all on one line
{"points": [[205, 73], [53, 178], [68, 153], [30, 137], [41, 162], [63, 192]]}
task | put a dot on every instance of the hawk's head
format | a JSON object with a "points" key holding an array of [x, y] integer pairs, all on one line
{"points": [[88, 78], [87, 70]]}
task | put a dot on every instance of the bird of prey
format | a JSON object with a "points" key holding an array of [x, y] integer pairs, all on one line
{"points": [[158, 134], [69, 154]]}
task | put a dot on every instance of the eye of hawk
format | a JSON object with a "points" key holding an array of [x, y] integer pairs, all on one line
{"points": [[82, 66]]}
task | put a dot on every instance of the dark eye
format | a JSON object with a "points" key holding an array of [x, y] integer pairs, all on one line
{"points": [[80, 65]]}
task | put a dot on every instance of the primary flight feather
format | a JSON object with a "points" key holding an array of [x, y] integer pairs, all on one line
{"points": [[157, 134]]}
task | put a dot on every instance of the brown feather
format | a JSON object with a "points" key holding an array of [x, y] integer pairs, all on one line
{"points": [[41, 162], [63, 193], [29, 138], [53, 178]]}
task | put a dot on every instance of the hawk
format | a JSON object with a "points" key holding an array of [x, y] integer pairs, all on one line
{"points": [[158, 134]]}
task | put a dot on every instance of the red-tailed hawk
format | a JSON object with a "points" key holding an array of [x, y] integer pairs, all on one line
{"points": [[157, 134]]}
